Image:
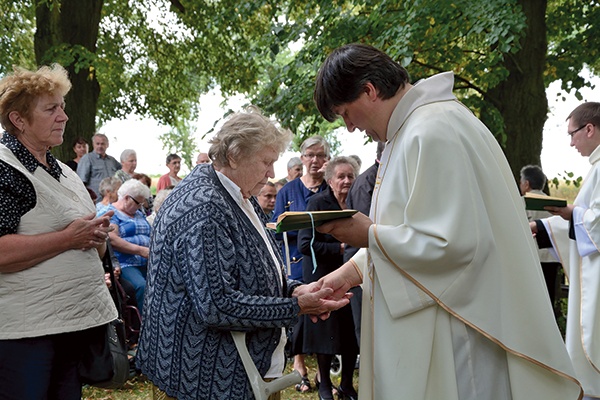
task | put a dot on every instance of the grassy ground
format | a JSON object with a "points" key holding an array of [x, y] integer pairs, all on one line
{"points": [[140, 389]]}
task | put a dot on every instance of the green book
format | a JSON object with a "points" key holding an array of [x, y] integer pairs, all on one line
{"points": [[538, 202], [295, 220]]}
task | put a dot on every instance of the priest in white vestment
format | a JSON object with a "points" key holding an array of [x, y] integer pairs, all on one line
{"points": [[454, 304], [577, 245]]}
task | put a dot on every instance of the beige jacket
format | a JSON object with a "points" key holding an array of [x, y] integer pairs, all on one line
{"points": [[65, 293]]}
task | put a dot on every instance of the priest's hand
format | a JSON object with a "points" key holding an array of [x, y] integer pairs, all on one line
{"points": [[318, 302], [353, 231], [341, 280], [564, 212], [533, 227]]}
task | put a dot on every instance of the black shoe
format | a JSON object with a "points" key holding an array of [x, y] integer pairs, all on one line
{"points": [[325, 396], [325, 393], [347, 395]]}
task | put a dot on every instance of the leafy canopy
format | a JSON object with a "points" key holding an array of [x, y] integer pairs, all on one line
{"points": [[155, 58]]}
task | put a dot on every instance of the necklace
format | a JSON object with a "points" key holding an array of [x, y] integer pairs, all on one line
{"points": [[314, 188]]}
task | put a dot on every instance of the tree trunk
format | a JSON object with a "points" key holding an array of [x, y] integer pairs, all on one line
{"points": [[521, 98], [71, 24]]}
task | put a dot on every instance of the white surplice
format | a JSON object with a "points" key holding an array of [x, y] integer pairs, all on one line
{"points": [[454, 303], [583, 270]]}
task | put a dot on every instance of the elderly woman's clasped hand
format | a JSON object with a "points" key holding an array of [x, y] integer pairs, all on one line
{"points": [[317, 301], [89, 232]]}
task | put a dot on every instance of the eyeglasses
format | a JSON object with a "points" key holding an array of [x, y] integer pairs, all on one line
{"points": [[139, 204], [320, 156], [577, 130]]}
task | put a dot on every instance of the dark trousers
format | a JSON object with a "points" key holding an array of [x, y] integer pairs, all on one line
{"points": [[41, 368]]}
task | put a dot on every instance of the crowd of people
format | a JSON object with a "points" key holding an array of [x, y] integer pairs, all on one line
{"points": [[436, 282]]}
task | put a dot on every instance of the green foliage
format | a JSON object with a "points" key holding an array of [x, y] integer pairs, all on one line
{"points": [[147, 64], [16, 35], [574, 40], [469, 38], [181, 140], [155, 58], [565, 186], [568, 178], [76, 55]]}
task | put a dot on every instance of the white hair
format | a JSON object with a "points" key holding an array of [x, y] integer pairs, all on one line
{"points": [[126, 153], [133, 188]]}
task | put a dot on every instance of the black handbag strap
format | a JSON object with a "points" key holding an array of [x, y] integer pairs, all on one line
{"points": [[108, 265]]}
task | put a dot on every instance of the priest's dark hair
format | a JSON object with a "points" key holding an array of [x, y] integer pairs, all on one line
{"points": [[347, 69]]}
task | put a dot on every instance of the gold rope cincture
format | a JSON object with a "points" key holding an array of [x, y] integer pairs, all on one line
{"points": [[312, 241]]}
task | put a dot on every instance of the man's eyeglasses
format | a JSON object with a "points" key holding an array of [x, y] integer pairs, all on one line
{"points": [[139, 204], [319, 156], [577, 130]]}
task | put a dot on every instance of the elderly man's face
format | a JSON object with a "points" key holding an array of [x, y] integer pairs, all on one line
{"points": [[266, 198], [202, 159], [100, 145], [295, 172]]}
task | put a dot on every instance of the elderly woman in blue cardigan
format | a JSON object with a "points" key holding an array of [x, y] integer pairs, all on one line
{"points": [[214, 268]]}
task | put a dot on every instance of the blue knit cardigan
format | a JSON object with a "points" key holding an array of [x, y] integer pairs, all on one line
{"points": [[209, 273]]}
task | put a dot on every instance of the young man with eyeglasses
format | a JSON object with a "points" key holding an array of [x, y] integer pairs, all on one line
{"points": [[454, 304], [574, 233]]}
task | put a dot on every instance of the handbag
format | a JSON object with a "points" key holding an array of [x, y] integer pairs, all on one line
{"points": [[104, 361]]}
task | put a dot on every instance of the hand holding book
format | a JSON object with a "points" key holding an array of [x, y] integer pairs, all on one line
{"points": [[295, 220], [538, 202]]}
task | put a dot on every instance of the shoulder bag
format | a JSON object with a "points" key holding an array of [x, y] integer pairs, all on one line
{"points": [[104, 361]]}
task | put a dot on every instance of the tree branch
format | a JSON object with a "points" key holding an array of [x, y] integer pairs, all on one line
{"points": [[178, 6], [466, 83]]}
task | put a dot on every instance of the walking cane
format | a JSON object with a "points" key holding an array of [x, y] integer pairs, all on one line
{"points": [[261, 389]]}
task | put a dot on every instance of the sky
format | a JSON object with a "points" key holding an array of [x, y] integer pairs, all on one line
{"points": [[142, 135], [557, 154]]}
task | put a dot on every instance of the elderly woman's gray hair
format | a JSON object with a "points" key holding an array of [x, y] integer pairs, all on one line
{"points": [[109, 184], [315, 141], [133, 188], [244, 134], [331, 165], [126, 153]]}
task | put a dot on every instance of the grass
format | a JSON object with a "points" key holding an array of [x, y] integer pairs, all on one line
{"points": [[139, 388]]}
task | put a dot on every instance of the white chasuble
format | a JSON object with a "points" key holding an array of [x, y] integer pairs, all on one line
{"points": [[454, 303]]}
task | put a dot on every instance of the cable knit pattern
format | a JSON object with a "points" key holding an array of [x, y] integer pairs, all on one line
{"points": [[209, 273]]}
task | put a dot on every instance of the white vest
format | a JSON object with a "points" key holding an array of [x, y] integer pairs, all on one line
{"points": [[67, 292]]}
